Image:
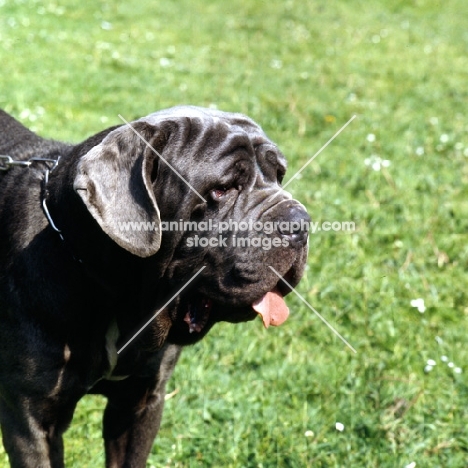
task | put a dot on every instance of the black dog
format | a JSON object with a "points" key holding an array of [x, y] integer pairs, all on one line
{"points": [[114, 233]]}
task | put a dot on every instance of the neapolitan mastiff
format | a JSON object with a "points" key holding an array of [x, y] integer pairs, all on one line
{"points": [[81, 272]]}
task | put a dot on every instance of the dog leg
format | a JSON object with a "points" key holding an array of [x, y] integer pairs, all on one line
{"points": [[129, 431], [30, 439], [133, 414]]}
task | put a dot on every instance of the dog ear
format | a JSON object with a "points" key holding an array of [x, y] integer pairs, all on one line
{"points": [[114, 180]]}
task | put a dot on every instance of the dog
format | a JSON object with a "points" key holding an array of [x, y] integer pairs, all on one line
{"points": [[99, 291]]}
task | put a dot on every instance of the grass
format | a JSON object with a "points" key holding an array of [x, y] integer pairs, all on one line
{"points": [[246, 397]]}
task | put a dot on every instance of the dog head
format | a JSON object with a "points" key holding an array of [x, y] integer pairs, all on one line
{"points": [[198, 188]]}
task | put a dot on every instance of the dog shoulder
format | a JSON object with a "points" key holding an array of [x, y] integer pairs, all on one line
{"points": [[20, 143]]}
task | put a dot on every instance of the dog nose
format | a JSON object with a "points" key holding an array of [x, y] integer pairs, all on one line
{"points": [[295, 225]]}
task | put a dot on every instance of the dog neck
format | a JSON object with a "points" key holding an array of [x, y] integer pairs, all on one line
{"points": [[45, 193]]}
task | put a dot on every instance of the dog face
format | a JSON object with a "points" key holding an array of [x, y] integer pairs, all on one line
{"points": [[202, 189]]}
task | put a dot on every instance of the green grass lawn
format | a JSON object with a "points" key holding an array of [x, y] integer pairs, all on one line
{"points": [[244, 396]]}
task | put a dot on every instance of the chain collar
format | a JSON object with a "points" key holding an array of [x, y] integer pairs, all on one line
{"points": [[44, 203], [7, 163]]}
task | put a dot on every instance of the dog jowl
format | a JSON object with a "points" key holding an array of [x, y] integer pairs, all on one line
{"points": [[86, 261]]}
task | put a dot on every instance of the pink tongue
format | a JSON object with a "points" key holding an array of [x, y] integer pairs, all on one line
{"points": [[272, 308]]}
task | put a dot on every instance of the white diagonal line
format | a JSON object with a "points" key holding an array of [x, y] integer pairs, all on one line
{"points": [[160, 310], [313, 310], [159, 155], [319, 151], [315, 155]]}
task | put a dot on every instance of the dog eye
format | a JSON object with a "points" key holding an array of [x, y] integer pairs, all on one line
{"points": [[219, 192]]}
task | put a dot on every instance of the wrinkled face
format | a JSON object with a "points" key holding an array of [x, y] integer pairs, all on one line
{"points": [[209, 183], [223, 209]]}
